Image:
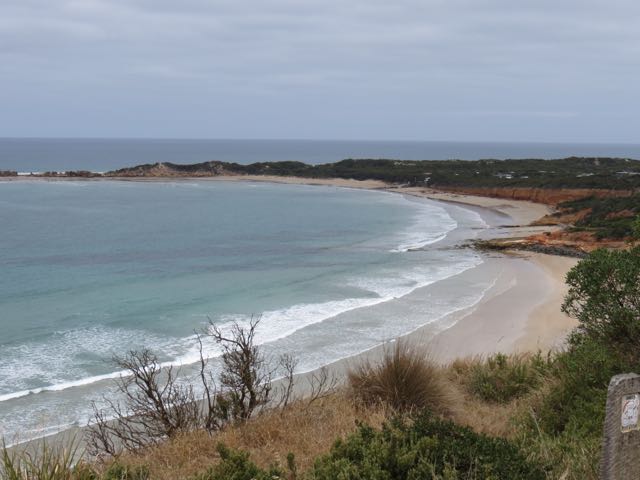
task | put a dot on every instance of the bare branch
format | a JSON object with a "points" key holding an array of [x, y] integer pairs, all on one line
{"points": [[157, 405], [245, 379], [321, 384], [288, 364]]}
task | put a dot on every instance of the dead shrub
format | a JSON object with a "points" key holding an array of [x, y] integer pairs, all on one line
{"points": [[156, 405]]}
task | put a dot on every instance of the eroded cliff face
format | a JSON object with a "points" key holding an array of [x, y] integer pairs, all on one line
{"points": [[548, 196], [559, 242]]}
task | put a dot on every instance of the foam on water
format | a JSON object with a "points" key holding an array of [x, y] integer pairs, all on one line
{"points": [[61, 386], [431, 224], [275, 325]]}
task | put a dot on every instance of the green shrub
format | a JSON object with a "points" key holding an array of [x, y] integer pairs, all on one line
{"points": [[404, 380], [235, 465], [501, 378], [568, 456], [604, 289], [118, 471], [576, 400], [635, 228], [423, 448], [604, 294]]}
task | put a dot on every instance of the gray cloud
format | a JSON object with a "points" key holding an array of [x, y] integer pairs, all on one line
{"points": [[430, 69]]}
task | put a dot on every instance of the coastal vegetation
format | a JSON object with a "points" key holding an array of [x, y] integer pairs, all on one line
{"points": [[589, 173], [611, 217], [404, 381]]}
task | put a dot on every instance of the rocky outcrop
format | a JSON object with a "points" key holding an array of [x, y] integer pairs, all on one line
{"points": [[531, 246]]}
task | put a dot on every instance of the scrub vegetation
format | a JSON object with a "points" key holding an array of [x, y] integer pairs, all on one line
{"points": [[613, 217]]}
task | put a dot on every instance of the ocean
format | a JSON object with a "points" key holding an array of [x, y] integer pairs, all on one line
{"points": [[94, 269], [99, 155]]}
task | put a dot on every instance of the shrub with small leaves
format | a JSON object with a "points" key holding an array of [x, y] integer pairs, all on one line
{"points": [[423, 448], [235, 465], [117, 471], [501, 378]]}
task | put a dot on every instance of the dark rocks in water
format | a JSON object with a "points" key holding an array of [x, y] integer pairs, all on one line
{"points": [[560, 250]]}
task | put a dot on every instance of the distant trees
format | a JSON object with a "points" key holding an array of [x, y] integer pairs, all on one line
{"points": [[574, 172]]}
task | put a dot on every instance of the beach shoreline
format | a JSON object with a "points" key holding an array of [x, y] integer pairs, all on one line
{"points": [[519, 313]]}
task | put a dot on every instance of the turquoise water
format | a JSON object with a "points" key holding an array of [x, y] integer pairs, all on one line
{"points": [[93, 269]]}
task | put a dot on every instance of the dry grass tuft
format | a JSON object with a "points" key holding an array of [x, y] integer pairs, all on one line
{"points": [[405, 380], [305, 430]]}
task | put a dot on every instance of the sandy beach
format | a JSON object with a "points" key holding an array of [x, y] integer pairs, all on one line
{"points": [[520, 313]]}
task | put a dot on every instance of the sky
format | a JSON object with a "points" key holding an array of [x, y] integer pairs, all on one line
{"points": [[462, 70]]}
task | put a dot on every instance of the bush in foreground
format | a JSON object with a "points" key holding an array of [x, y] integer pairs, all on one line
{"points": [[156, 405], [501, 378], [43, 462], [604, 295], [576, 398], [235, 465], [404, 380], [424, 448], [56, 463]]}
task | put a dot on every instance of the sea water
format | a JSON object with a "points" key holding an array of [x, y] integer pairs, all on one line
{"points": [[99, 155], [89, 270]]}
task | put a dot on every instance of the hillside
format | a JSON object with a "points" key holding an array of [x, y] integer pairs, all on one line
{"points": [[569, 173]]}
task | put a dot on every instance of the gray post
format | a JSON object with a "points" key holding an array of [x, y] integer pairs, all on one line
{"points": [[621, 442]]}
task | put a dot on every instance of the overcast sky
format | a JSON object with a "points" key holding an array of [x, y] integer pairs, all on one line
{"points": [[494, 70]]}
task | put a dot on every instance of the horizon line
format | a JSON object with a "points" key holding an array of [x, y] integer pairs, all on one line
{"points": [[257, 139]]}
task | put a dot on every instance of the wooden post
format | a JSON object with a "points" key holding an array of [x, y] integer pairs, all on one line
{"points": [[621, 441]]}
